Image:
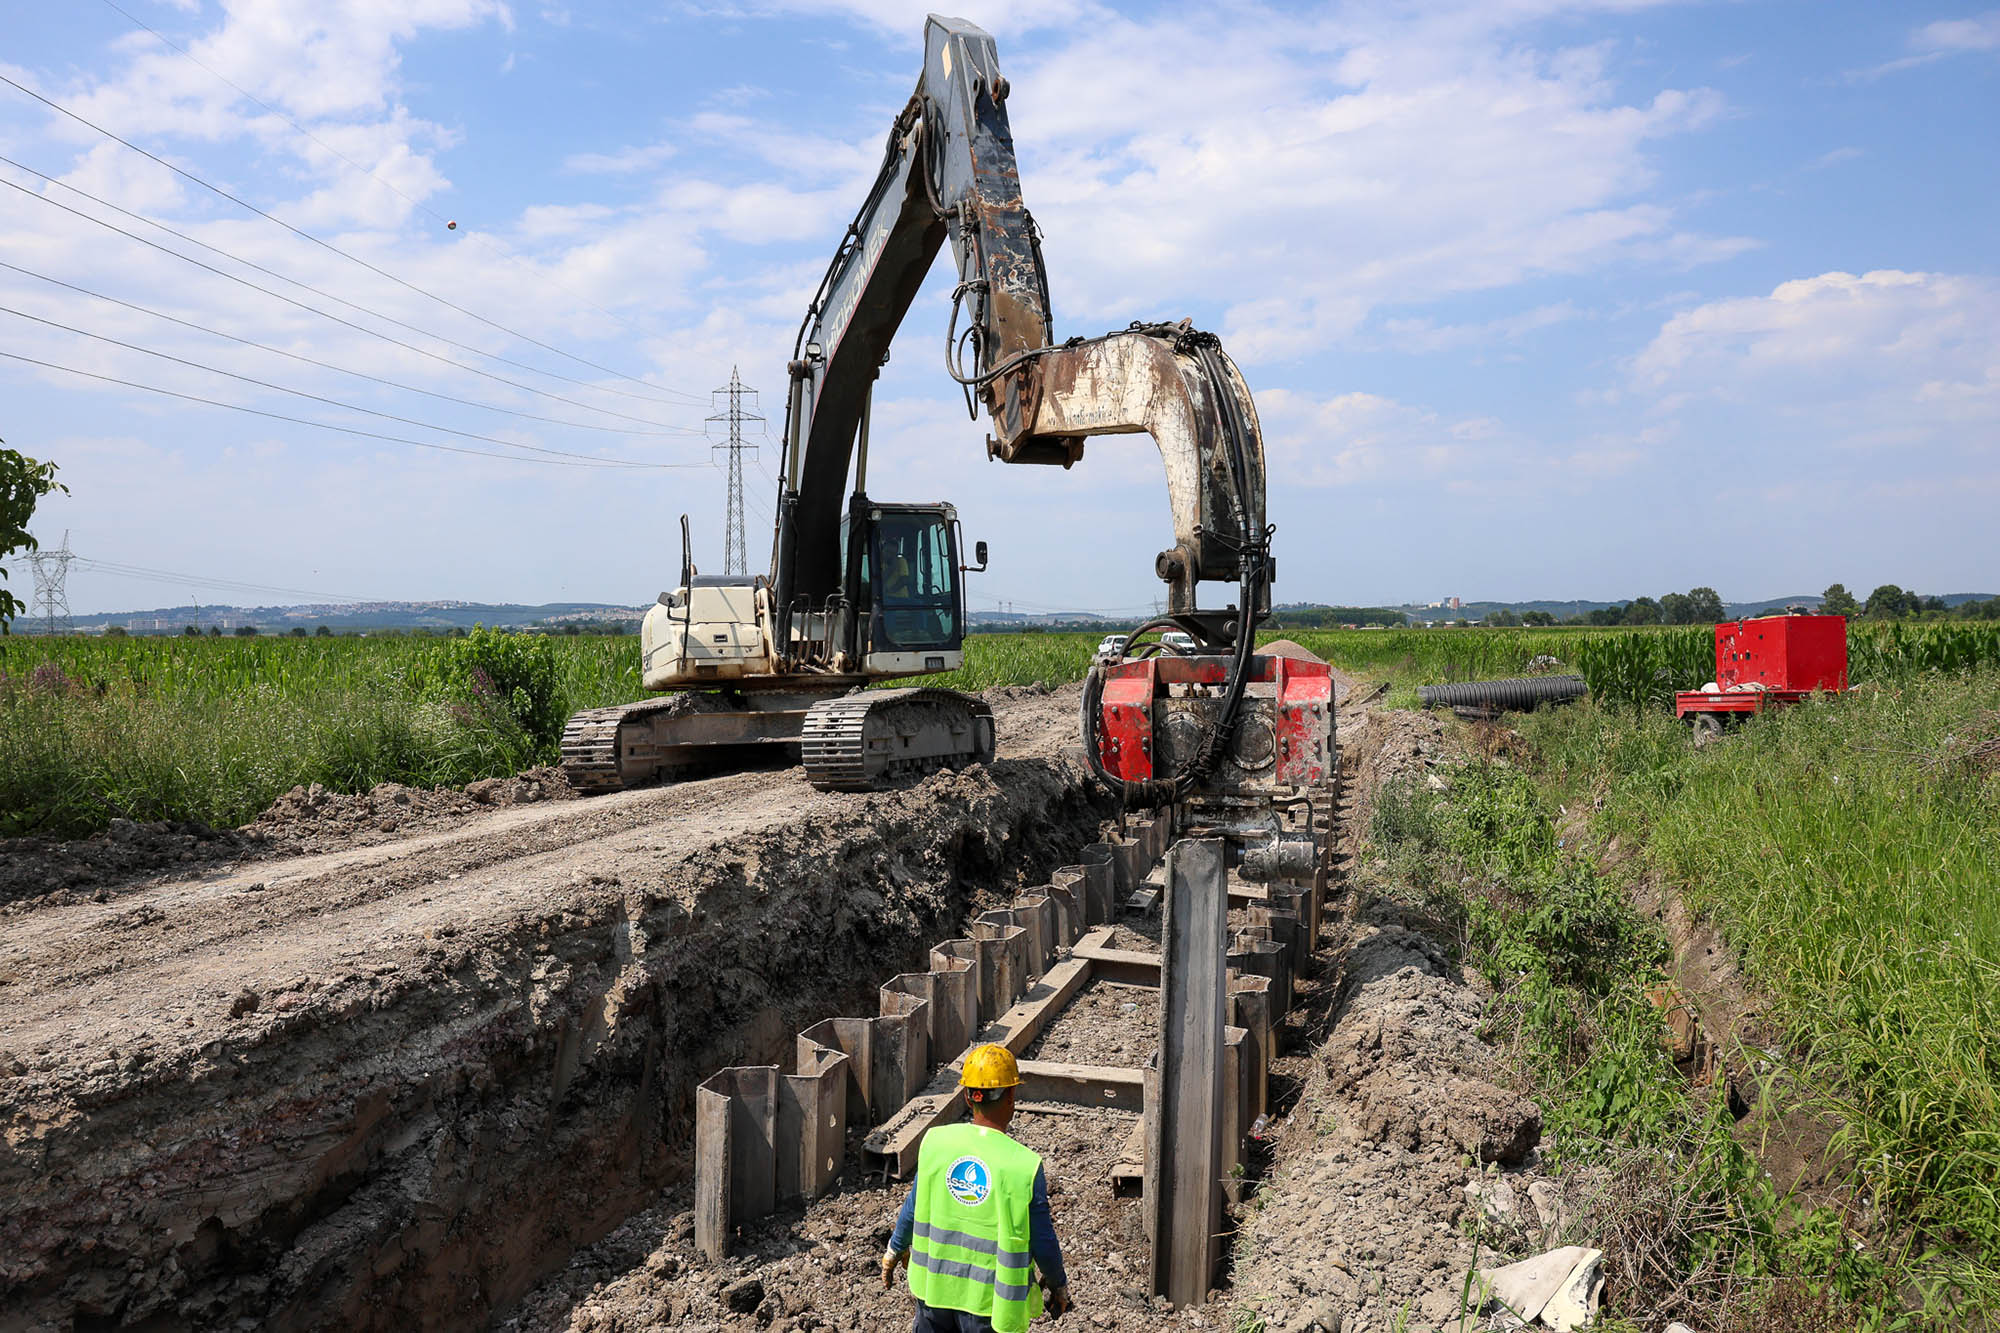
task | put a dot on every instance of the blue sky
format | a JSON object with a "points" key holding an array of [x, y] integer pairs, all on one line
{"points": [[1538, 298]]}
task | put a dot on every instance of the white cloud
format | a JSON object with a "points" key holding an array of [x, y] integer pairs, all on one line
{"points": [[1951, 36], [1423, 335], [902, 21], [1942, 39], [1833, 157], [1352, 439], [1883, 358], [1349, 164], [1297, 171], [623, 161]]}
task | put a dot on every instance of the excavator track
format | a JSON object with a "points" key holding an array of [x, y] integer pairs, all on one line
{"points": [[592, 757], [875, 739]]}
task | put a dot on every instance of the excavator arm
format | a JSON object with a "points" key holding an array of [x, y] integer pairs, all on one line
{"points": [[772, 664], [949, 173]]}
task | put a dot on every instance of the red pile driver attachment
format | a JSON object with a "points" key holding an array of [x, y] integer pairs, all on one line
{"points": [[1158, 712]]}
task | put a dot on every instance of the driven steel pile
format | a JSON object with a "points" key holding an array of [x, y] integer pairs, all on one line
{"points": [[766, 1139]]}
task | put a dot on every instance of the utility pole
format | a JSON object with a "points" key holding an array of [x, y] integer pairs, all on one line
{"points": [[51, 598], [734, 560]]}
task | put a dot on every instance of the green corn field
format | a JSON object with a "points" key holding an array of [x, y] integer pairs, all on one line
{"points": [[211, 730]]}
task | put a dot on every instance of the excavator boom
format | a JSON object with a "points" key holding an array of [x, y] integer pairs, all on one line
{"points": [[862, 590], [949, 173]]}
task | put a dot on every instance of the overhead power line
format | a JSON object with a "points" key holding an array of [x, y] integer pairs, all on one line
{"points": [[317, 398], [328, 246], [377, 177], [327, 365], [120, 570], [577, 461], [315, 310]]}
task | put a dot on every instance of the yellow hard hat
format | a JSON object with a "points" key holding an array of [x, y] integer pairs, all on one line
{"points": [[990, 1066]]}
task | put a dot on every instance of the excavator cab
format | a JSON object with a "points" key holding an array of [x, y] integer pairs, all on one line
{"points": [[908, 604]]}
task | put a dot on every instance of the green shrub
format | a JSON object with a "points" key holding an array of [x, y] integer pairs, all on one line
{"points": [[505, 680]]}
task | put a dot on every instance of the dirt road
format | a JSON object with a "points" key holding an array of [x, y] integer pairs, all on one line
{"points": [[392, 1082]]}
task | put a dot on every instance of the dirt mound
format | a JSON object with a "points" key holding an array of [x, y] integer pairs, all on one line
{"points": [[1404, 1134], [1390, 744], [37, 873], [42, 872], [313, 819]]}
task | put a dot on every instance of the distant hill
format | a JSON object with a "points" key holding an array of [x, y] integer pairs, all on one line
{"points": [[344, 617], [1019, 619], [1564, 610], [354, 617]]}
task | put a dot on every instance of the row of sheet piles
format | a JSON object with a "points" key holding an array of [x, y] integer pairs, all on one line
{"points": [[765, 1139], [1210, 1079]]}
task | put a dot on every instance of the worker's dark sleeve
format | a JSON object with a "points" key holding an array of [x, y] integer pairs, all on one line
{"points": [[1042, 1243], [906, 1222]]}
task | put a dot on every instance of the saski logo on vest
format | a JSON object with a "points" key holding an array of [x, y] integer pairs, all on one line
{"points": [[969, 1181]]}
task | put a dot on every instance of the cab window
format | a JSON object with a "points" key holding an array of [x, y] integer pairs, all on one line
{"points": [[916, 591]]}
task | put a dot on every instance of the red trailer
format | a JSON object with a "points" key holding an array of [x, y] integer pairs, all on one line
{"points": [[1767, 663]]}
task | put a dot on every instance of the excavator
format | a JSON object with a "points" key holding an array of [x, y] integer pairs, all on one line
{"points": [[864, 590]]}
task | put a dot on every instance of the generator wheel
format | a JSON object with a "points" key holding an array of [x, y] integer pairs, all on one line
{"points": [[1707, 728]]}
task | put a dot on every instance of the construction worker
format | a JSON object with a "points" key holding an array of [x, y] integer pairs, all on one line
{"points": [[977, 1216]]}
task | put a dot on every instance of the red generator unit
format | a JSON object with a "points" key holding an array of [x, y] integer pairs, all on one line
{"points": [[1767, 663], [1157, 711]]}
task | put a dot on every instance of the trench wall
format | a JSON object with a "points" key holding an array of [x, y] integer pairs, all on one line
{"points": [[416, 1148]]}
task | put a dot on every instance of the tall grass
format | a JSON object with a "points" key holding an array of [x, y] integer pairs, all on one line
{"points": [[591, 670], [96, 728], [1645, 670], [1848, 849], [1437, 656], [212, 730], [1017, 659], [1884, 651]]}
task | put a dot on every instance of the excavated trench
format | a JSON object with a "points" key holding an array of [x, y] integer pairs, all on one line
{"points": [[393, 1088]]}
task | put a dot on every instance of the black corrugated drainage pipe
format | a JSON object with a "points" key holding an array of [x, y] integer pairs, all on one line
{"points": [[1483, 698]]}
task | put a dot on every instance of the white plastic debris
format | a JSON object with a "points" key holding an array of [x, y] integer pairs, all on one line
{"points": [[1575, 1302], [1525, 1287], [1559, 1289]]}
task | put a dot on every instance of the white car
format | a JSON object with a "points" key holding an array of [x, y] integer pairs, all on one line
{"points": [[1179, 641], [1111, 647]]}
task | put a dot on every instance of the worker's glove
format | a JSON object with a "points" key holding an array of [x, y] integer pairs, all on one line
{"points": [[890, 1261], [1058, 1302]]}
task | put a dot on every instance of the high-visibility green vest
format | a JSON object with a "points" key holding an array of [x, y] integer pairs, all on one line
{"points": [[970, 1251]]}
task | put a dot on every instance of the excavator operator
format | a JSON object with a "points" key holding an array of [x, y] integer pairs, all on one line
{"points": [[911, 591], [978, 1216]]}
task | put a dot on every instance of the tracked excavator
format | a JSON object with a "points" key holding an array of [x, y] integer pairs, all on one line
{"points": [[863, 590]]}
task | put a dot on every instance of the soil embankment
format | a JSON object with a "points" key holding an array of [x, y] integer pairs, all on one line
{"points": [[392, 1083]]}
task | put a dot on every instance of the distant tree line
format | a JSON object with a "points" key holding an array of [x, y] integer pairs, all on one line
{"points": [[1703, 606], [402, 631], [1890, 602], [1696, 606]]}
